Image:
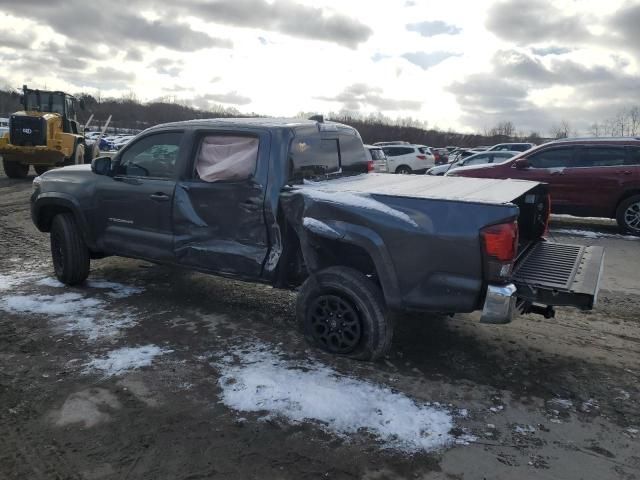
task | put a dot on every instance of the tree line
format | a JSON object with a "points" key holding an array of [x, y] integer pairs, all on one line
{"points": [[129, 113]]}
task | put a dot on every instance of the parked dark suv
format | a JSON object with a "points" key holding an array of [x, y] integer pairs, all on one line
{"points": [[588, 177]]}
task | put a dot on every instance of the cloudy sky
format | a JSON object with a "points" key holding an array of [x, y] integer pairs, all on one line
{"points": [[458, 64]]}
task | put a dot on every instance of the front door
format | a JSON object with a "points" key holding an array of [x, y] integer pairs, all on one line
{"points": [[219, 209], [134, 205]]}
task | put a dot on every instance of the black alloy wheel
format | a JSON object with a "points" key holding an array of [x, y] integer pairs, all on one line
{"points": [[335, 323]]}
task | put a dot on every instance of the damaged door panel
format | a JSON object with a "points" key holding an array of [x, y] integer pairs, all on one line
{"points": [[219, 219]]}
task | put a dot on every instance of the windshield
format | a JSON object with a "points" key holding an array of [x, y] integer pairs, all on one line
{"points": [[45, 102]]}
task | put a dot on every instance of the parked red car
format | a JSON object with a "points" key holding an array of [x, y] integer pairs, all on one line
{"points": [[593, 177]]}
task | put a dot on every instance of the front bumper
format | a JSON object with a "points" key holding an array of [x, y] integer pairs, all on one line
{"points": [[499, 304]]}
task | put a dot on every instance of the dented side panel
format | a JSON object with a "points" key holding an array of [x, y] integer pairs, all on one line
{"points": [[427, 252]]}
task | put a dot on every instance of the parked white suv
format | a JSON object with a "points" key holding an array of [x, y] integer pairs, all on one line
{"points": [[408, 158], [377, 157]]}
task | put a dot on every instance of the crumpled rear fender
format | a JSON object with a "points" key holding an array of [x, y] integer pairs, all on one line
{"points": [[308, 218]]}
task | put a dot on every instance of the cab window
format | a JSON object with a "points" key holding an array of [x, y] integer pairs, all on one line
{"points": [[153, 156], [227, 158]]}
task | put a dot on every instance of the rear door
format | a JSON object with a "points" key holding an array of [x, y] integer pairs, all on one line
{"points": [[596, 180], [549, 166], [133, 213], [218, 217]]}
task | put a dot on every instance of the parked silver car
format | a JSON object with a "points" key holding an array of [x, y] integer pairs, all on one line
{"points": [[477, 159]]}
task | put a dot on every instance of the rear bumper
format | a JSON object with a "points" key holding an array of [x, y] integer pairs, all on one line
{"points": [[549, 275], [499, 304]]}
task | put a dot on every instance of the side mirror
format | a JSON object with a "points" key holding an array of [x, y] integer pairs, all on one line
{"points": [[522, 164], [101, 165]]}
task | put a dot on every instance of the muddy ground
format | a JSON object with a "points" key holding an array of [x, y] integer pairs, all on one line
{"points": [[534, 399]]}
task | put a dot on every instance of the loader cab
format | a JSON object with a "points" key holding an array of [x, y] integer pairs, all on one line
{"points": [[53, 102]]}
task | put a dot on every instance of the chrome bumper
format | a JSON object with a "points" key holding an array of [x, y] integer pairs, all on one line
{"points": [[500, 304]]}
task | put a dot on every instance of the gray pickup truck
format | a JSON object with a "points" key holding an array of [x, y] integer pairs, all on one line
{"points": [[290, 203]]}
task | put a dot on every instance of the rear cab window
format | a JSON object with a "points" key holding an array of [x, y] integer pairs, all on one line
{"points": [[328, 153]]}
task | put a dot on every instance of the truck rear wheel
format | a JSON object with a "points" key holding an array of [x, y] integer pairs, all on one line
{"points": [[15, 169], [69, 253], [343, 312], [628, 215]]}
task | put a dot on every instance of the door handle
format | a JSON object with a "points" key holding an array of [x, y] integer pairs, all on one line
{"points": [[625, 172], [159, 197], [251, 204]]}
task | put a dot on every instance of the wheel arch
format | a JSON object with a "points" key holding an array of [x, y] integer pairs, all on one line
{"points": [[627, 194], [349, 245], [47, 206]]}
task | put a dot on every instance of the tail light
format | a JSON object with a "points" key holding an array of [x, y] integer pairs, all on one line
{"points": [[370, 167], [501, 241], [421, 157], [436, 156]]}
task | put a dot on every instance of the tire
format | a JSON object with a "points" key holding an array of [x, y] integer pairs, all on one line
{"points": [[15, 169], [77, 157], [628, 215], [69, 253], [40, 169], [341, 293], [89, 152], [403, 170]]}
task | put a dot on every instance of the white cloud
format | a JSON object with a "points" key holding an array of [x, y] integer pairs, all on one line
{"points": [[299, 55]]}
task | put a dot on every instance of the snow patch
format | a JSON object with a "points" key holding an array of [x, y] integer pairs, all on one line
{"points": [[118, 290], [318, 227], [50, 282], [125, 359], [591, 234], [8, 282], [357, 201], [72, 312], [255, 379]]}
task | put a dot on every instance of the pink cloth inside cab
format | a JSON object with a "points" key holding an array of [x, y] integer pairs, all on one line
{"points": [[225, 157]]}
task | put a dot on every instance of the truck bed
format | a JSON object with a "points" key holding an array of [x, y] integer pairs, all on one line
{"points": [[475, 190]]}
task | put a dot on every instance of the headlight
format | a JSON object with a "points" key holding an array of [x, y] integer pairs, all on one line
{"points": [[36, 183]]}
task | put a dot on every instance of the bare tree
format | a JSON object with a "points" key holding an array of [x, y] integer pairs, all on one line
{"points": [[561, 130], [596, 129], [634, 120]]}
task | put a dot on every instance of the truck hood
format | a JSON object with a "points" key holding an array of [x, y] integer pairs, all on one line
{"points": [[461, 189]]}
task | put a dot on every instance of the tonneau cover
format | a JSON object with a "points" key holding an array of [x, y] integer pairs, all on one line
{"points": [[478, 190]]}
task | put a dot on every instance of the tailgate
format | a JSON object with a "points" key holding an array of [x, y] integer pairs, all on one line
{"points": [[560, 274]]}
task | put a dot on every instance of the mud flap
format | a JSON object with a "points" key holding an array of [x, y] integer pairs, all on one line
{"points": [[559, 274]]}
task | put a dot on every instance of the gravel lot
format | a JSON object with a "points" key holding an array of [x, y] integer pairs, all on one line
{"points": [[148, 372]]}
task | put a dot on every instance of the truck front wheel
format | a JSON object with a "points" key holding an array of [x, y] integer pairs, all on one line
{"points": [[15, 169], [343, 312], [69, 253]]}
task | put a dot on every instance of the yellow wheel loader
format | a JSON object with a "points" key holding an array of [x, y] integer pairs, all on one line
{"points": [[45, 134]]}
